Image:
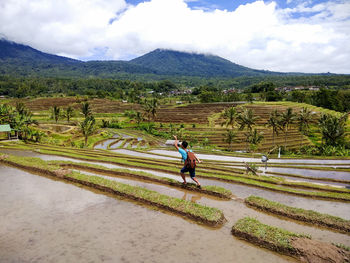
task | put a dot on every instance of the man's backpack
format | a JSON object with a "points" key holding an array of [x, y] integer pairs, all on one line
{"points": [[191, 160]]}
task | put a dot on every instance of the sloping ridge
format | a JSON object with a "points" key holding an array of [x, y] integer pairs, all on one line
{"points": [[171, 62], [17, 59]]}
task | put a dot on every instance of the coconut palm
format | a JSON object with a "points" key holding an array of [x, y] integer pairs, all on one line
{"points": [[230, 137], [87, 127], [246, 119], [147, 109], [55, 113], [287, 119], [86, 109], [69, 113], [274, 122], [333, 129], [230, 117], [6, 113], [154, 107], [20, 108], [138, 118], [304, 119], [254, 138]]}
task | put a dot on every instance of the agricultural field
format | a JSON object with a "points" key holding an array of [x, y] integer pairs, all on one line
{"points": [[120, 197]]}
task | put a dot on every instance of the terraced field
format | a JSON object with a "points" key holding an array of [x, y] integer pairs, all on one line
{"points": [[97, 105], [158, 209], [200, 115]]}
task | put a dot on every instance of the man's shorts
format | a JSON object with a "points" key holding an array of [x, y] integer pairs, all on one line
{"points": [[191, 170]]}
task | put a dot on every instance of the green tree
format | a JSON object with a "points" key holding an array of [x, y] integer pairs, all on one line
{"points": [[230, 116], [246, 119], [86, 109], [287, 118], [138, 118], [154, 107], [274, 122], [69, 113], [87, 127], [55, 113], [230, 137], [333, 129], [254, 138], [304, 120]]}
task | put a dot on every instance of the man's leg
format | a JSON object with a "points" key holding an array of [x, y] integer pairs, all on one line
{"points": [[193, 176], [182, 173], [183, 177]]}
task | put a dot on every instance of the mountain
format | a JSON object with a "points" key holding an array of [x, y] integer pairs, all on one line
{"points": [[170, 62], [21, 60]]}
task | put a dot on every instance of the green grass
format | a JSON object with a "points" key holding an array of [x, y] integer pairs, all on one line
{"points": [[277, 236], [215, 189], [274, 184], [308, 216], [192, 210]]}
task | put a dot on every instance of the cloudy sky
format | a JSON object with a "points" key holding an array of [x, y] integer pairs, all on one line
{"points": [[281, 35]]}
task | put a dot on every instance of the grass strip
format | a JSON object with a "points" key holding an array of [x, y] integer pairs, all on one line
{"points": [[273, 238], [209, 190], [246, 180], [308, 216], [148, 164], [206, 215], [273, 184]]}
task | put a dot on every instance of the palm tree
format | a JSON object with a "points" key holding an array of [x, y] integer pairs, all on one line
{"points": [[20, 108], [247, 119], [6, 113], [333, 128], [287, 118], [138, 118], [87, 127], [304, 119], [55, 113], [254, 138], [147, 109], [230, 137], [69, 113], [86, 109], [230, 116], [150, 108], [153, 108], [274, 122]]}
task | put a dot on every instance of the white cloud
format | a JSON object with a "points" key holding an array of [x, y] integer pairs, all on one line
{"points": [[257, 35]]}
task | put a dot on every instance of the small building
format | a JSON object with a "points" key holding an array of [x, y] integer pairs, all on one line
{"points": [[7, 128]]}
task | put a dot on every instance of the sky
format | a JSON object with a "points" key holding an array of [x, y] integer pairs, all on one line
{"points": [[311, 36]]}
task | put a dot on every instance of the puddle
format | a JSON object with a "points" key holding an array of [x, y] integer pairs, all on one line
{"points": [[125, 136], [244, 159], [116, 145], [104, 144], [310, 173], [43, 220], [298, 179], [139, 154]]}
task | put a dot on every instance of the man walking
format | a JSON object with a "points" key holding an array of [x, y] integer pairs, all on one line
{"points": [[187, 168]]}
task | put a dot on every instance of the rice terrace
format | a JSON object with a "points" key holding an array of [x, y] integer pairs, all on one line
{"points": [[125, 173], [174, 131]]}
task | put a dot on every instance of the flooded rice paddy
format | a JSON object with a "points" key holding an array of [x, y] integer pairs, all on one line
{"points": [[45, 220], [245, 159]]}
